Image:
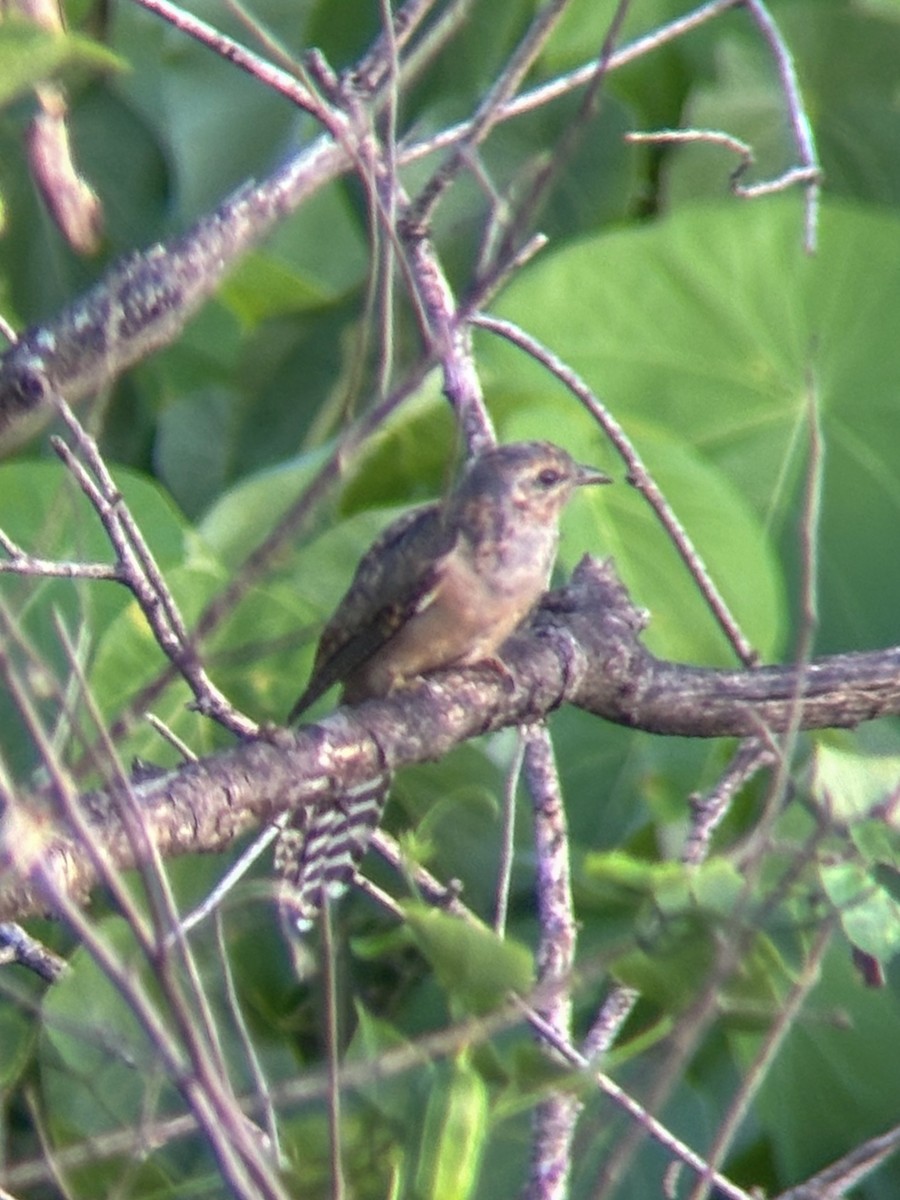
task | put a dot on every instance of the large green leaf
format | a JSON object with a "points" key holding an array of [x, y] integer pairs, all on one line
{"points": [[716, 330], [846, 60]]}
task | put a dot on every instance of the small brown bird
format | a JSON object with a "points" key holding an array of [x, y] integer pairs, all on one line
{"points": [[444, 586]]}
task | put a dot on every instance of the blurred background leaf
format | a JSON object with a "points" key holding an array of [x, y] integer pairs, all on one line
{"points": [[701, 323]]}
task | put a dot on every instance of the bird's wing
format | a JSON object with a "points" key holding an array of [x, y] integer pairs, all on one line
{"points": [[393, 581]]}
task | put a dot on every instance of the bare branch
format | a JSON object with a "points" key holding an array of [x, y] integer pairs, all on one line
{"points": [[846, 1172], [556, 1116], [539, 96], [800, 124], [487, 114], [583, 649], [716, 137], [708, 810], [508, 839], [644, 1119], [70, 199], [138, 570], [16, 946], [556, 162], [286, 84], [145, 300]]}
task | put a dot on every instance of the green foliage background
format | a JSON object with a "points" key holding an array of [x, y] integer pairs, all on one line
{"points": [[709, 333]]}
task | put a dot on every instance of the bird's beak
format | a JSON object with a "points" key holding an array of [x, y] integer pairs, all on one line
{"points": [[585, 475]]}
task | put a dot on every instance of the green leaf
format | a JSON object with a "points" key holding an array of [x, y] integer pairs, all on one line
{"points": [[45, 512], [453, 810], [17, 1040], [869, 914], [616, 520], [714, 887], [192, 447], [693, 913], [261, 287], [259, 656], [98, 1066], [392, 1098], [242, 517], [128, 657], [409, 460], [835, 1077], [709, 332], [675, 966], [127, 165], [472, 963], [47, 515], [850, 783], [846, 60], [196, 103], [622, 872], [30, 55], [454, 1134]]}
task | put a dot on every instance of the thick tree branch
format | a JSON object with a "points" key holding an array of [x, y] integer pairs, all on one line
{"points": [[626, 684], [583, 649]]}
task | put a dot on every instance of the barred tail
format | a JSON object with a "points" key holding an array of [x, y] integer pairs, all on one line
{"points": [[318, 853]]}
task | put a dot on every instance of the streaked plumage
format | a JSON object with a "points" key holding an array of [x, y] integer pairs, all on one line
{"points": [[444, 586]]}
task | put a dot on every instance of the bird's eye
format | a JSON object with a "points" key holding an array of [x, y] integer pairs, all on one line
{"points": [[548, 478]]}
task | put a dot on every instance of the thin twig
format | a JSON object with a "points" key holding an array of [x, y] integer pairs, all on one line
{"points": [[709, 809], [25, 565], [302, 1089], [487, 113], [449, 340], [158, 291], [235, 873], [236, 1152], [8, 331], [190, 1012], [716, 137], [607, 1025], [262, 1086], [170, 737], [651, 1126], [800, 123], [24, 821], [138, 570], [370, 72], [574, 133], [756, 1073], [810, 520], [836, 1180], [231, 51], [556, 88], [17, 946]]}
